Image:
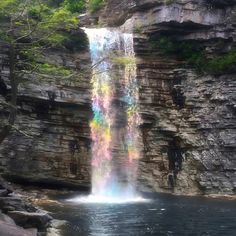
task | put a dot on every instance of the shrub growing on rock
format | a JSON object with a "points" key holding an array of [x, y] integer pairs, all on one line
{"points": [[95, 5]]}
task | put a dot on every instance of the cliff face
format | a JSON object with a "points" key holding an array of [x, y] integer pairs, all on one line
{"points": [[187, 102], [188, 114], [51, 140]]}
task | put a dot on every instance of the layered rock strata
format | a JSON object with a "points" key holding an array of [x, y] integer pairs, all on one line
{"points": [[188, 128], [189, 120], [50, 142]]}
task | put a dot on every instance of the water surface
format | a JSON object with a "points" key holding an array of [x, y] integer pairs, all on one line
{"points": [[163, 215]]}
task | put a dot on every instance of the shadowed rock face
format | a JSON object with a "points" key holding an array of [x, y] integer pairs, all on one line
{"points": [[53, 142], [222, 3], [178, 104]]}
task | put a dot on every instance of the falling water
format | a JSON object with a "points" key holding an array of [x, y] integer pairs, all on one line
{"points": [[114, 127]]}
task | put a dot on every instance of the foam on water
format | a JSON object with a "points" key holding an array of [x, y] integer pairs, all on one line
{"points": [[94, 199]]}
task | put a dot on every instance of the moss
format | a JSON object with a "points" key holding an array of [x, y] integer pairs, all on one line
{"points": [[124, 60], [54, 70]]}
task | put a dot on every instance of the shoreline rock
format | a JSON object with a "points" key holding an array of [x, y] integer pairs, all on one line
{"points": [[7, 229], [18, 217]]}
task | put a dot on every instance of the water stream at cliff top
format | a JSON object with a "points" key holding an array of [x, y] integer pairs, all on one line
{"points": [[114, 128]]}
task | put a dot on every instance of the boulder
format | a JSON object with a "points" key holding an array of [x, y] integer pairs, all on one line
{"points": [[14, 203], [7, 229], [56, 227], [31, 220], [6, 219], [11, 204]]}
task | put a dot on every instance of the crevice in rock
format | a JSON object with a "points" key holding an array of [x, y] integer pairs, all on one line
{"points": [[175, 159], [3, 88]]}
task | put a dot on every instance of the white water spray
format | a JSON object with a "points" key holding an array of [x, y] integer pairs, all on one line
{"points": [[114, 128]]}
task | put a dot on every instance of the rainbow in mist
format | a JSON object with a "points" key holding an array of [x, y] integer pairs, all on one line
{"points": [[115, 151]]}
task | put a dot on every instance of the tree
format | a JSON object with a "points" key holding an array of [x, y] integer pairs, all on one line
{"points": [[29, 27]]}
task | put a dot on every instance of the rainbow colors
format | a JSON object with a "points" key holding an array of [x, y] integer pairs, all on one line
{"points": [[110, 179]]}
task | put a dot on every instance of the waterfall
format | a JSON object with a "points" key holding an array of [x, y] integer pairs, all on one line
{"points": [[114, 128]]}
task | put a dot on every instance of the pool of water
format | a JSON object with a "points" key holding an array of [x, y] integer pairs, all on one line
{"points": [[162, 215]]}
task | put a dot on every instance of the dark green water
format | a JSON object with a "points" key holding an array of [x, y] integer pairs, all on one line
{"points": [[163, 215]]}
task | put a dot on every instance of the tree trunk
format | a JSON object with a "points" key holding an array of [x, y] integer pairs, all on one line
{"points": [[13, 101]]}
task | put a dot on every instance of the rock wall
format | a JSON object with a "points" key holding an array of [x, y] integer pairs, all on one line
{"points": [[50, 142], [188, 129], [189, 120]]}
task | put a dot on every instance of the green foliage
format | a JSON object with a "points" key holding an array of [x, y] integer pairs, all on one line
{"points": [[7, 5], [190, 51], [28, 29], [95, 5], [75, 42], [75, 6], [54, 70], [39, 21], [37, 12], [124, 60], [33, 26], [60, 18], [197, 60], [194, 55], [40, 64], [222, 63], [57, 39], [36, 19], [68, 40], [182, 50]]}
